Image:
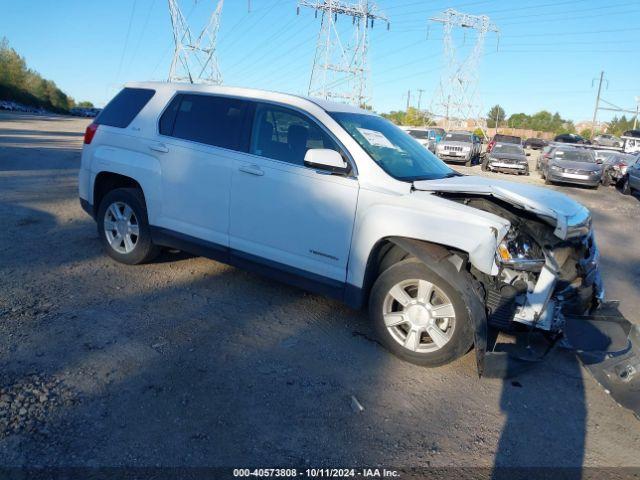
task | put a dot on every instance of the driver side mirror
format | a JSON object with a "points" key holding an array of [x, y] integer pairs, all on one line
{"points": [[326, 159]]}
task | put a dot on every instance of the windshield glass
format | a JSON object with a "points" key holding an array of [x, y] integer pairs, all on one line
{"points": [[513, 149], [575, 156], [420, 134], [397, 153], [506, 139], [439, 131], [457, 137]]}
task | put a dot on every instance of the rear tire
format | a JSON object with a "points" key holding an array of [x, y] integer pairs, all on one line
{"points": [[410, 306], [123, 227]]}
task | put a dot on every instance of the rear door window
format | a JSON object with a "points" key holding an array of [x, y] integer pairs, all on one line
{"points": [[124, 107], [218, 121]]}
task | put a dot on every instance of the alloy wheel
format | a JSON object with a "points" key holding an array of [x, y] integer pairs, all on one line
{"points": [[419, 315], [121, 227]]}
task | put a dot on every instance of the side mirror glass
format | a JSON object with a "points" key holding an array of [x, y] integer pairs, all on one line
{"points": [[326, 159]]}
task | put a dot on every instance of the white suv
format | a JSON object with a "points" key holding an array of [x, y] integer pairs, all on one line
{"points": [[336, 200]]}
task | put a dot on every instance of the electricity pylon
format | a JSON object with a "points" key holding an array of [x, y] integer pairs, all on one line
{"points": [[194, 58], [340, 71], [457, 95]]}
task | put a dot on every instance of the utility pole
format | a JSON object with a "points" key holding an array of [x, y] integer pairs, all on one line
{"points": [[194, 59], [420, 91], [595, 110], [340, 72], [635, 119], [408, 100]]}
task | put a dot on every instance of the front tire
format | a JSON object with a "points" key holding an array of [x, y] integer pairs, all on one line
{"points": [[123, 227], [419, 316], [626, 188]]}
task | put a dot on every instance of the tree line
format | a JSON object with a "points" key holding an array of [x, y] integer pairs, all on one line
{"points": [[542, 121], [23, 85]]}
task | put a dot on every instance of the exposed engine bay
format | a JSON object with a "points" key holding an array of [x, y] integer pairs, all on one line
{"points": [[541, 277], [552, 285]]}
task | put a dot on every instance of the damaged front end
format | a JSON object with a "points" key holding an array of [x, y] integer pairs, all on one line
{"points": [[548, 283]]}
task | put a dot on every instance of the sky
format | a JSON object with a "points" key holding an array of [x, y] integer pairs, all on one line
{"points": [[548, 54]]}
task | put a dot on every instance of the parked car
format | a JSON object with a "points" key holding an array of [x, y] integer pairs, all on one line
{"points": [[337, 200], [424, 136], [571, 138], [631, 141], [631, 180], [506, 157], [572, 165], [607, 140], [614, 165], [535, 143], [500, 138], [545, 155], [459, 147]]}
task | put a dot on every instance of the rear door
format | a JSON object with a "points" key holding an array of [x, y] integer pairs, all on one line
{"points": [[284, 212], [200, 138]]}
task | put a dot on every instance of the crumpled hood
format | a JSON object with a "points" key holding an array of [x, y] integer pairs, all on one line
{"points": [[568, 216]]}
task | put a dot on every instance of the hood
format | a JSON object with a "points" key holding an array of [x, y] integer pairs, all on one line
{"points": [[455, 144], [570, 218], [591, 167], [508, 156]]}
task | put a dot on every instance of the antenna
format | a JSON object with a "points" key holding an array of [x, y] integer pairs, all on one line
{"points": [[457, 94], [340, 72], [194, 59]]}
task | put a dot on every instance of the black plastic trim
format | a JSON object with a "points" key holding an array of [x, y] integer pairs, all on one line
{"points": [[262, 266], [87, 207]]}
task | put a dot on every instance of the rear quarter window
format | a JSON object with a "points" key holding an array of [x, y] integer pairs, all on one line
{"points": [[217, 121], [124, 107]]}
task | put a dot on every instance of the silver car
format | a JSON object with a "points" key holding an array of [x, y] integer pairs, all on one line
{"points": [[507, 157], [572, 165], [459, 147], [631, 181]]}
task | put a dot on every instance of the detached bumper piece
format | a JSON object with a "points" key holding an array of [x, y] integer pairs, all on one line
{"points": [[608, 346]]}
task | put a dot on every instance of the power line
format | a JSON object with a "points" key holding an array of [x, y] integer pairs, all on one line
{"points": [[126, 39]]}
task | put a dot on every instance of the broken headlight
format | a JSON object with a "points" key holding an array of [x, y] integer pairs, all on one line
{"points": [[520, 252]]}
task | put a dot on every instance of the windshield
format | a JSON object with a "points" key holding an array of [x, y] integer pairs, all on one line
{"points": [[457, 137], [575, 156], [439, 131], [507, 139], [397, 153], [419, 134], [513, 149]]}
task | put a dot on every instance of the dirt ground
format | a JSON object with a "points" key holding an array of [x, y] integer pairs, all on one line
{"points": [[188, 362]]}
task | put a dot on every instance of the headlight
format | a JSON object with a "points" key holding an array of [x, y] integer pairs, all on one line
{"points": [[466, 149], [557, 168], [520, 252]]}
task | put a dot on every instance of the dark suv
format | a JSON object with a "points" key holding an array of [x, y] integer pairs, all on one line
{"points": [[571, 138], [499, 138]]}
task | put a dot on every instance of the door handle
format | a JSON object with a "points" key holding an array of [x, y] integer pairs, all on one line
{"points": [[159, 147], [252, 169]]}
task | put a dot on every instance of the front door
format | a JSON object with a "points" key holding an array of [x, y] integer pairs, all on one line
{"points": [[285, 212]]}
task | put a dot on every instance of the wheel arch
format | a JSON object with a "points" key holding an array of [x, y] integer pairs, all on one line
{"points": [[390, 250], [107, 181]]}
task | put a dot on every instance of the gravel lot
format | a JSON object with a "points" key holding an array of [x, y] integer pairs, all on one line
{"points": [[188, 362]]}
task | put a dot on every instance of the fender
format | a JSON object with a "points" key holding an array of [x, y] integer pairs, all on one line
{"points": [[143, 168], [438, 259], [423, 216]]}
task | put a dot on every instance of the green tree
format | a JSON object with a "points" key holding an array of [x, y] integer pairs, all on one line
{"points": [[495, 115], [585, 132], [26, 86], [85, 104]]}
